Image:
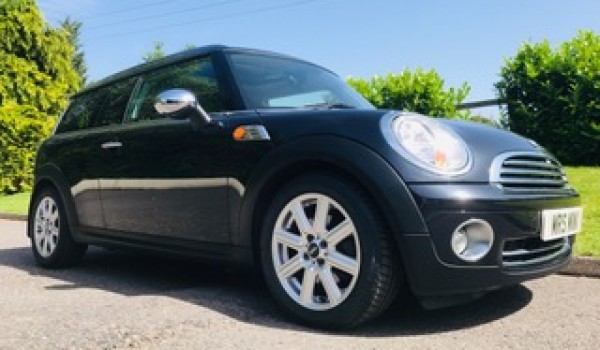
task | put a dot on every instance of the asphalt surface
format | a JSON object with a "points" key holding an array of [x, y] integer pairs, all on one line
{"points": [[125, 300]]}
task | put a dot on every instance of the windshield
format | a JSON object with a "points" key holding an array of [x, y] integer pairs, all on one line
{"points": [[276, 82]]}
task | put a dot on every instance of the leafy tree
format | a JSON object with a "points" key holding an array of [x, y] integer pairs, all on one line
{"points": [[553, 96], [158, 51], [188, 47], [154, 54], [418, 91], [484, 120], [73, 30], [37, 77], [22, 128]]}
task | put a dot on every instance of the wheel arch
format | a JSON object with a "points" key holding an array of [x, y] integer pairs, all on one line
{"points": [[343, 157], [49, 176]]}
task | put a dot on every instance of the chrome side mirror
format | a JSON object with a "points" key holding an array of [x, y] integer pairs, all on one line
{"points": [[176, 101], [173, 101]]}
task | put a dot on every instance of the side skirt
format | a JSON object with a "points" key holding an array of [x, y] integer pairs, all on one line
{"points": [[209, 252]]}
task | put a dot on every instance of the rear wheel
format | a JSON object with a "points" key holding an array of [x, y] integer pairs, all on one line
{"points": [[51, 240], [326, 254]]}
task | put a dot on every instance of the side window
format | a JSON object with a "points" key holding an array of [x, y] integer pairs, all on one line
{"points": [[116, 97], [197, 76], [81, 112]]}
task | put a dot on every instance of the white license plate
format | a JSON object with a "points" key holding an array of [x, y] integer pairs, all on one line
{"points": [[558, 223]]}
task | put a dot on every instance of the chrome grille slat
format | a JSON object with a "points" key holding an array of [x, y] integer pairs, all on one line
{"points": [[538, 182], [528, 172], [529, 164], [530, 190], [533, 251], [522, 252]]}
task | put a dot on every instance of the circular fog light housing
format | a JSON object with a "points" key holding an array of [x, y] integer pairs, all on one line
{"points": [[472, 240]]}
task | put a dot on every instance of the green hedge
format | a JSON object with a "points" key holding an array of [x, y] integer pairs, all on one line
{"points": [[22, 129], [417, 91], [553, 97]]}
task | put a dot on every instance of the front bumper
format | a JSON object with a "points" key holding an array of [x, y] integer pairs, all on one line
{"points": [[517, 253]]}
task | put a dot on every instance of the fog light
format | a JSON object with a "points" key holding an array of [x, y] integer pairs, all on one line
{"points": [[472, 240]]}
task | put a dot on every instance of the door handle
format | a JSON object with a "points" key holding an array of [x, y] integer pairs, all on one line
{"points": [[111, 145]]}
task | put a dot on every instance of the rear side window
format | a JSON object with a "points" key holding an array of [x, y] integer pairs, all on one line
{"points": [[115, 99], [197, 76], [101, 107], [81, 112]]}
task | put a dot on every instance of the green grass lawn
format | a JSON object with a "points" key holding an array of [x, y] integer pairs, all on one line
{"points": [[585, 179], [15, 203]]}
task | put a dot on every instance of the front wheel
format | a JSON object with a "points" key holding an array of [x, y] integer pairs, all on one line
{"points": [[51, 240], [326, 254]]}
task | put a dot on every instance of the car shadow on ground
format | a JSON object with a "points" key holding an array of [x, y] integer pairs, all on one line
{"points": [[243, 296]]}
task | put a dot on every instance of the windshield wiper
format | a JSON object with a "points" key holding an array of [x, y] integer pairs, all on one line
{"points": [[337, 105]]}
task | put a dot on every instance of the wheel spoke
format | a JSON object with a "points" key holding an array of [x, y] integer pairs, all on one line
{"points": [[288, 239], [48, 247], [40, 213], [331, 288], [320, 221], [54, 232], [343, 262], [39, 224], [341, 231], [291, 266], [53, 242], [308, 286], [300, 218], [53, 215], [46, 209]]}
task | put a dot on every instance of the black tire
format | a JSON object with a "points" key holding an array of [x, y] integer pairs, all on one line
{"points": [[379, 276], [54, 230]]}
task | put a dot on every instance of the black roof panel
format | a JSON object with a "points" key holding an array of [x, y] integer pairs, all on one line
{"points": [[174, 58]]}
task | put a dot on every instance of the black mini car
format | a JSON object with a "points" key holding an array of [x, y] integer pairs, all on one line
{"points": [[259, 159]]}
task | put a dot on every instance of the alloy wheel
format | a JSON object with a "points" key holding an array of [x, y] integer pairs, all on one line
{"points": [[315, 251], [46, 227]]}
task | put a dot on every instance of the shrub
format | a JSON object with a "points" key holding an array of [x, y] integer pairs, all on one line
{"points": [[22, 129], [419, 91], [553, 97]]}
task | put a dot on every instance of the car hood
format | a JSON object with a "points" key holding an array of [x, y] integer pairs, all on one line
{"points": [[365, 127]]}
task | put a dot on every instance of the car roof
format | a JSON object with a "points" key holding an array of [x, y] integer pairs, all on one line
{"points": [[172, 59]]}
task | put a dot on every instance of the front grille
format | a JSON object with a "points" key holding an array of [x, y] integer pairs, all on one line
{"points": [[528, 172], [531, 252]]}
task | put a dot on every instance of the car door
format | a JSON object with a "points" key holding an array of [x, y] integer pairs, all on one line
{"points": [[78, 146], [168, 179], [73, 149]]}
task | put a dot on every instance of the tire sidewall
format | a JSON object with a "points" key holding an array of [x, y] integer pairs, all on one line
{"points": [[358, 301]]}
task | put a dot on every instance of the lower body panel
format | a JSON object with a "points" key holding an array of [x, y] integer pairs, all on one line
{"points": [[517, 253]]}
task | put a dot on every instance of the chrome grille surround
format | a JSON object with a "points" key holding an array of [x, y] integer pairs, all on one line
{"points": [[528, 172]]}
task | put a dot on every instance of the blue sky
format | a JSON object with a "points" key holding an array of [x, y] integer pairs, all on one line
{"points": [[464, 40]]}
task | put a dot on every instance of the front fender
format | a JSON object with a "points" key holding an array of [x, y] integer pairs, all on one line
{"points": [[364, 165]]}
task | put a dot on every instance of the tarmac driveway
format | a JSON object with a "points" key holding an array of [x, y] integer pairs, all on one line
{"points": [[125, 300]]}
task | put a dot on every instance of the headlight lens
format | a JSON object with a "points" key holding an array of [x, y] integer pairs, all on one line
{"points": [[431, 145]]}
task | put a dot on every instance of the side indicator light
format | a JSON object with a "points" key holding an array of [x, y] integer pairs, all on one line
{"points": [[239, 133], [245, 133]]}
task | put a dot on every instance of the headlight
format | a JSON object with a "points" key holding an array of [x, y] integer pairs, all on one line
{"points": [[430, 145]]}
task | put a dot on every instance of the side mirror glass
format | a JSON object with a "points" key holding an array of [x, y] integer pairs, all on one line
{"points": [[174, 101]]}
